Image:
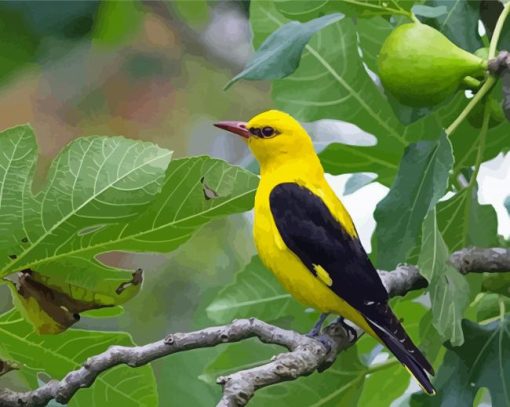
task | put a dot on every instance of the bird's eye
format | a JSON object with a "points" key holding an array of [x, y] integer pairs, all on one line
{"points": [[267, 132]]}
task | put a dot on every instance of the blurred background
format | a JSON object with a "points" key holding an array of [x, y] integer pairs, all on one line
{"points": [[156, 71], [146, 70]]}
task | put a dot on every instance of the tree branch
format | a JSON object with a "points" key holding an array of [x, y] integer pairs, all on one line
{"points": [[305, 355]]}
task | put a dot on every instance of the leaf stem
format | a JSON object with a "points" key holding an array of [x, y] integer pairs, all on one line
{"points": [[481, 146], [497, 30], [502, 308], [491, 80]]}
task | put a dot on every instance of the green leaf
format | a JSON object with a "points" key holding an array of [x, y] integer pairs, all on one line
{"points": [[465, 148], [19, 153], [383, 387], [357, 181], [239, 356], [428, 11], [421, 180], [463, 222], [109, 312], [280, 53], [497, 283], [58, 355], [53, 297], [430, 340], [483, 361], [167, 221], [488, 306], [306, 10], [342, 158], [459, 23], [185, 388], [507, 204], [254, 293], [372, 33], [83, 279], [93, 182], [449, 290]]}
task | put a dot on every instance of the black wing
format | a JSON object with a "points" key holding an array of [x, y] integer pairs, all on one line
{"points": [[308, 228]]}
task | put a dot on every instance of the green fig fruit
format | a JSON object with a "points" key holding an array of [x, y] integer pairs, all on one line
{"points": [[421, 67]]}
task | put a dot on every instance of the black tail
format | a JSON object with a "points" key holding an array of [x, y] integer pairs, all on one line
{"points": [[398, 342]]}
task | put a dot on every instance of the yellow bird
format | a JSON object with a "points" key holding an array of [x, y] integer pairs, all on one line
{"points": [[306, 237]]}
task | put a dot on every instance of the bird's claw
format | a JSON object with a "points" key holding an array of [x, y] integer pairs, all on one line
{"points": [[316, 330], [350, 330], [326, 341]]}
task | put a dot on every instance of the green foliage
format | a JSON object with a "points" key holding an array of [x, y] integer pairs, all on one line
{"points": [[279, 54], [58, 355], [254, 293], [89, 185], [239, 356], [449, 292], [459, 23], [489, 306], [422, 179], [497, 283], [464, 222], [483, 361], [429, 11]]}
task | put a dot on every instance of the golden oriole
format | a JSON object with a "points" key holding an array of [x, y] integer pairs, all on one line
{"points": [[306, 237]]}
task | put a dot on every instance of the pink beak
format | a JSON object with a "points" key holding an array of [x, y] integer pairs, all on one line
{"points": [[238, 128]]}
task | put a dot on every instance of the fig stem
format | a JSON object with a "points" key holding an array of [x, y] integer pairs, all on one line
{"points": [[481, 146], [491, 80], [471, 83], [497, 30]]}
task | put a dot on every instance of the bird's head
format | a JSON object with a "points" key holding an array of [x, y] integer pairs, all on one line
{"points": [[272, 136]]}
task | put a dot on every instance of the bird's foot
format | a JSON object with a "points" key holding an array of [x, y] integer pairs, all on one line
{"points": [[350, 330], [316, 330], [326, 341]]}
